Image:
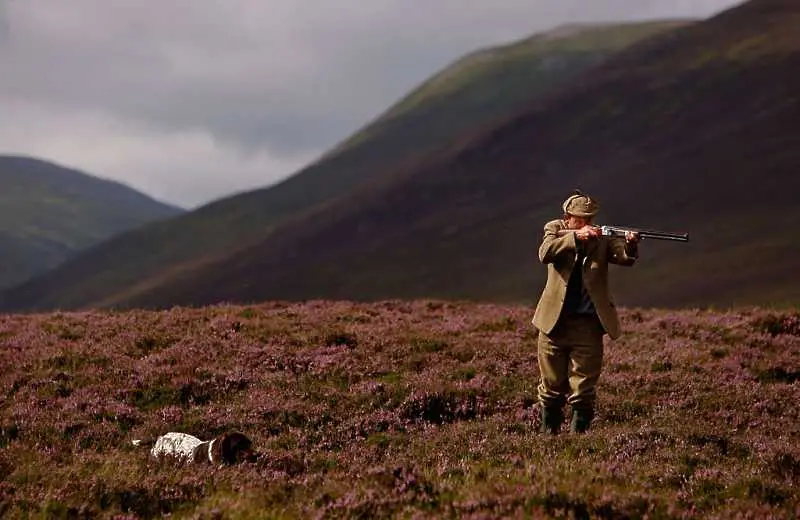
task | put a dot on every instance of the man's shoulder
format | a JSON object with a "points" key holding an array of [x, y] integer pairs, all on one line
{"points": [[554, 225]]}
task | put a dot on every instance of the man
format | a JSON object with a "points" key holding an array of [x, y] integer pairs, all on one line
{"points": [[575, 311]]}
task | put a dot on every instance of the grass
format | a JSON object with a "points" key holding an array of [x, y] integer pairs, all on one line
{"points": [[399, 409]]}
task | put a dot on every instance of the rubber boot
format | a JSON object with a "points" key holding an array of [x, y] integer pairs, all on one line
{"points": [[551, 420], [581, 420]]}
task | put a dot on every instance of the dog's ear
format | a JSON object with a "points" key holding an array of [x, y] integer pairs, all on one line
{"points": [[235, 447]]}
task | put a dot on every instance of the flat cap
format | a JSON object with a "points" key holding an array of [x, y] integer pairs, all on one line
{"points": [[580, 205]]}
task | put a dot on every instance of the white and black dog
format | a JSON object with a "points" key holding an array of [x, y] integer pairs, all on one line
{"points": [[228, 448]]}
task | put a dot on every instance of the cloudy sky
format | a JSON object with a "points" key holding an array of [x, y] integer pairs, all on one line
{"points": [[192, 100]]}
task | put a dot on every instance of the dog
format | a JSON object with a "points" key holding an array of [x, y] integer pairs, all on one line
{"points": [[228, 448]]}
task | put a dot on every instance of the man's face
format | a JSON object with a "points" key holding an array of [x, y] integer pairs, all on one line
{"points": [[575, 222]]}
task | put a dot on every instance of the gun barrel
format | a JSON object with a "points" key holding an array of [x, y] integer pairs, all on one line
{"points": [[618, 231], [663, 235]]}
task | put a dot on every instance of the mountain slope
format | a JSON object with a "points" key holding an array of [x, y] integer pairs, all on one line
{"points": [[698, 131], [48, 213], [491, 83], [470, 94]]}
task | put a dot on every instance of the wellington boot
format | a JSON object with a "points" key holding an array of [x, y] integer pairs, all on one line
{"points": [[581, 420], [551, 420]]}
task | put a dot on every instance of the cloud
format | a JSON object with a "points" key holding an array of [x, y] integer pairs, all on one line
{"points": [[187, 166], [198, 98], [3, 20]]}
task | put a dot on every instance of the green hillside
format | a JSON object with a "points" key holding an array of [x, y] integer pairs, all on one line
{"points": [[48, 213], [696, 131], [492, 83], [472, 93]]}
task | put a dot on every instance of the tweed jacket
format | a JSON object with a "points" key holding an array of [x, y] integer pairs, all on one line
{"points": [[559, 253]]}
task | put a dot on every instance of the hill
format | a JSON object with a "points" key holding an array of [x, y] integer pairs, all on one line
{"points": [[48, 213], [394, 409], [698, 131], [489, 84], [466, 96]]}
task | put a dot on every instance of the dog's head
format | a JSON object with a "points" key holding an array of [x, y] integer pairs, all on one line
{"points": [[233, 447]]}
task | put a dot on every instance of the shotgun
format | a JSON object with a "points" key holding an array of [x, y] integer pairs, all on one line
{"points": [[619, 231]]}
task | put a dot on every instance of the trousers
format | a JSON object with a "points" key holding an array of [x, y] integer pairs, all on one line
{"points": [[570, 361]]}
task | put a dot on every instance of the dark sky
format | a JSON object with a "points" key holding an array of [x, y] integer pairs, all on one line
{"points": [[191, 100]]}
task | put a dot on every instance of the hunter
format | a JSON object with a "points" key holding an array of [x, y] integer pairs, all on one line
{"points": [[575, 311]]}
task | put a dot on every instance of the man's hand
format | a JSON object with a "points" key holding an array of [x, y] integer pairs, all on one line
{"points": [[631, 237], [587, 232]]}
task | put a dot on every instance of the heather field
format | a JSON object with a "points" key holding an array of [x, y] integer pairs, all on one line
{"points": [[402, 409]]}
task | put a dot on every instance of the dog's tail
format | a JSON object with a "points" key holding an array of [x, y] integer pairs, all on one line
{"points": [[146, 443]]}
